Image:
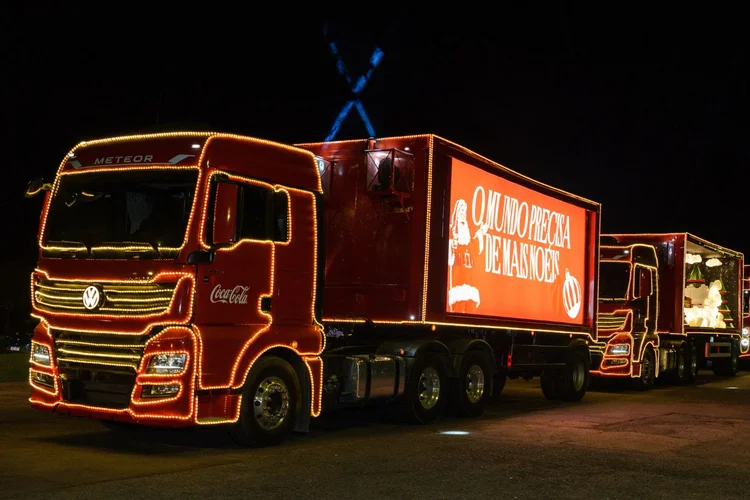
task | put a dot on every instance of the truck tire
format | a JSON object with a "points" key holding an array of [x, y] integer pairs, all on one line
{"points": [[569, 383], [269, 406], [474, 382], [576, 377], [550, 382], [427, 390], [648, 371], [728, 367], [681, 374], [692, 364]]}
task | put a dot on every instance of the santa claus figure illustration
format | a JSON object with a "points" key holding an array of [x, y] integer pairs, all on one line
{"points": [[463, 250]]}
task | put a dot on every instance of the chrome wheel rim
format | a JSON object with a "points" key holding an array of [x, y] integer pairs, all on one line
{"points": [[429, 388], [474, 383], [271, 403]]}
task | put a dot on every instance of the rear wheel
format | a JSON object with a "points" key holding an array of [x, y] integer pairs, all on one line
{"points": [[474, 383], [682, 365], [427, 391], [691, 355], [728, 367], [570, 383], [270, 402]]}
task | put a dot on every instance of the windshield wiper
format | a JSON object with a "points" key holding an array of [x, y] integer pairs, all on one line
{"points": [[75, 249]]}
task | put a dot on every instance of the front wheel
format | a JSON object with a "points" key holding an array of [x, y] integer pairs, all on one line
{"points": [[648, 371], [270, 402]]}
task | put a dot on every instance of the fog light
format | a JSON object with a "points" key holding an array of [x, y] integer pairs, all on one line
{"points": [[42, 379], [745, 342], [159, 391]]}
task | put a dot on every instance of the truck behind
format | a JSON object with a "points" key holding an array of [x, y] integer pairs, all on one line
{"points": [[669, 305]]}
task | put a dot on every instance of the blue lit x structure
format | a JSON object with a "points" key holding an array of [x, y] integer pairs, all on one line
{"points": [[356, 87]]}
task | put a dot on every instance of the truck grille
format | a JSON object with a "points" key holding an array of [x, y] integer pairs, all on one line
{"points": [[116, 298], [605, 321], [98, 370]]}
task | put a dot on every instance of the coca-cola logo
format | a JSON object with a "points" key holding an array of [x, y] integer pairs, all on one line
{"points": [[236, 295]]}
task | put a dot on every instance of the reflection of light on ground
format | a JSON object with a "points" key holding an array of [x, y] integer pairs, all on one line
{"points": [[732, 387], [454, 433]]}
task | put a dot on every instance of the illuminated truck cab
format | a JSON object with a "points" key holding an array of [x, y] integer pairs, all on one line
{"points": [[628, 308], [151, 249]]}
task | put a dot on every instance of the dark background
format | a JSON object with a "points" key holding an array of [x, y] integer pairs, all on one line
{"points": [[640, 107]]}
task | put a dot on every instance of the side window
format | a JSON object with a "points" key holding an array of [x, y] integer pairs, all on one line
{"points": [[281, 216], [264, 214], [254, 221]]}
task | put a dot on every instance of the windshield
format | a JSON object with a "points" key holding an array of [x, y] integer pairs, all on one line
{"points": [[613, 280], [130, 213]]}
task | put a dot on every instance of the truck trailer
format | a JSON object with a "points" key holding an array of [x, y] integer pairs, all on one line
{"points": [[207, 278], [668, 305]]}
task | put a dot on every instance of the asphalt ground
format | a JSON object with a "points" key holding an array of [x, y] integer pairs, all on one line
{"points": [[670, 442]]}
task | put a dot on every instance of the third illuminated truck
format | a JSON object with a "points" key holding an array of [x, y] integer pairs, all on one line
{"points": [[197, 278], [669, 305]]}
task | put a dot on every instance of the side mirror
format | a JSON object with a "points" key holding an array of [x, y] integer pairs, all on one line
{"points": [[35, 187], [225, 213]]}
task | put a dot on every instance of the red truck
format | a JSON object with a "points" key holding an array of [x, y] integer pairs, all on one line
{"points": [[206, 278], [668, 304], [745, 342]]}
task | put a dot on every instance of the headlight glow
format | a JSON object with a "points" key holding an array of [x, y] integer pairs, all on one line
{"points": [[40, 354], [618, 349], [167, 363]]}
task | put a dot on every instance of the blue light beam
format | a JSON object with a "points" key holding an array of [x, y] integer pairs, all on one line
{"points": [[357, 88]]}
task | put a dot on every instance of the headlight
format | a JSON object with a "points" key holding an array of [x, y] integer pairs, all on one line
{"points": [[167, 363], [746, 331], [619, 349], [745, 343], [40, 354]]}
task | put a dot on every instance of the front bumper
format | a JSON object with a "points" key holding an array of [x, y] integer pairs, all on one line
{"points": [[112, 386]]}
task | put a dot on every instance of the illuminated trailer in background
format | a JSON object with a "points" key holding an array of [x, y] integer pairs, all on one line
{"points": [[745, 342], [205, 278], [669, 304]]}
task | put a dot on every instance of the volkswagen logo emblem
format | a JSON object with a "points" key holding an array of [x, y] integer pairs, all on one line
{"points": [[92, 297]]}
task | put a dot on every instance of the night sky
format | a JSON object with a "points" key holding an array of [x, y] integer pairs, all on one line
{"points": [[643, 110]]}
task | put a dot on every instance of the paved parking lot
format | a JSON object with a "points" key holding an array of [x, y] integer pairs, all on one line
{"points": [[672, 442]]}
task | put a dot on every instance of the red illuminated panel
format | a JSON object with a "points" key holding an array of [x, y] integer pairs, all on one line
{"points": [[513, 252]]}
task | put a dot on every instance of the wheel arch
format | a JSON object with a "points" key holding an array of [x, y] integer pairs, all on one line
{"points": [[304, 383], [412, 349]]}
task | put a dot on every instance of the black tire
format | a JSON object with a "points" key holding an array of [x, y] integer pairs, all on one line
{"points": [[550, 382], [270, 425], [427, 392], [728, 367], [648, 371], [474, 384], [499, 384], [692, 363], [682, 365], [576, 377]]}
